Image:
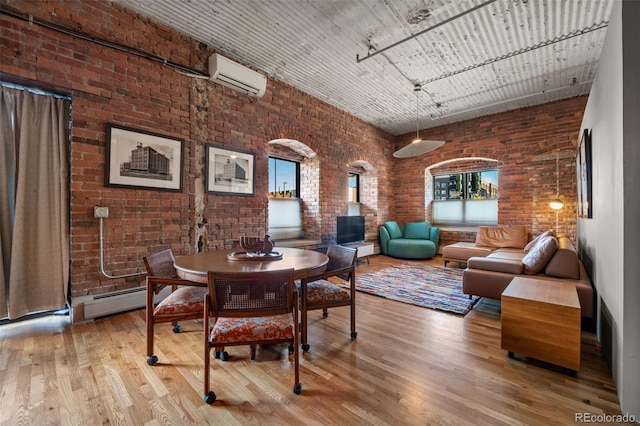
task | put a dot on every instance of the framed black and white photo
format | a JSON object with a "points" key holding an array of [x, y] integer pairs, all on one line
{"points": [[229, 172], [583, 172], [140, 159]]}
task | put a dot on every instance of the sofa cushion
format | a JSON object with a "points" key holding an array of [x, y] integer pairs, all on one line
{"points": [[464, 250], [417, 230], [533, 242], [394, 229], [508, 266], [502, 236], [538, 257], [411, 248], [508, 254], [565, 262]]}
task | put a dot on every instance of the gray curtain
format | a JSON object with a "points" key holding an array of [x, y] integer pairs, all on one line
{"points": [[34, 202]]}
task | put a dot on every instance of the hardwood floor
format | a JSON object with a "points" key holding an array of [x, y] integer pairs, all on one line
{"points": [[409, 365]]}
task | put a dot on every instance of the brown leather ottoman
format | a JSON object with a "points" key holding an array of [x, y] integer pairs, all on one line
{"points": [[461, 252]]}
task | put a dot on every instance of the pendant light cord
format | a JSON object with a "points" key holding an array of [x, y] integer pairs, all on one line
{"points": [[557, 174], [417, 126]]}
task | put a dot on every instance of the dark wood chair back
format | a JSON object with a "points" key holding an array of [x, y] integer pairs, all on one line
{"points": [[160, 264], [251, 294], [339, 258]]}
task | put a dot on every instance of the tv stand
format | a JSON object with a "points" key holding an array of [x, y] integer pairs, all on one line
{"points": [[365, 249]]}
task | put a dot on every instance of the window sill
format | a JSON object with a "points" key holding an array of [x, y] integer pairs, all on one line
{"points": [[457, 228], [298, 243]]}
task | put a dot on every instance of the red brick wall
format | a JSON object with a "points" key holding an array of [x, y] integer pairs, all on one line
{"points": [[524, 142], [110, 86]]}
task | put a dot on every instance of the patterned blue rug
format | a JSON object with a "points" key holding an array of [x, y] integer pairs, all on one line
{"points": [[428, 286]]}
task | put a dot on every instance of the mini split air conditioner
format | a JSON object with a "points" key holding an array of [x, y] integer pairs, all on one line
{"points": [[235, 76]]}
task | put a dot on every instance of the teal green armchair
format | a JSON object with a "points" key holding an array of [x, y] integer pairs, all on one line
{"points": [[414, 240]]}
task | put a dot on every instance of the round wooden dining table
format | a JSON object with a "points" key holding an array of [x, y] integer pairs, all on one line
{"points": [[194, 267]]}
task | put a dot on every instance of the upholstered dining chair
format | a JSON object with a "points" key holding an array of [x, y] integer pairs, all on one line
{"points": [[186, 300], [250, 308], [316, 292]]}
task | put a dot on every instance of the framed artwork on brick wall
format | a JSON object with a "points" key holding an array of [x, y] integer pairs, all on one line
{"points": [[144, 160], [583, 174], [229, 172]]}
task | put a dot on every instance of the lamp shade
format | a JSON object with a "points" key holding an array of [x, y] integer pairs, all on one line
{"points": [[417, 147], [556, 204]]}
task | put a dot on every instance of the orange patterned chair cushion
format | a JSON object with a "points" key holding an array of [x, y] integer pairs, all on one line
{"points": [[184, 300], [234, 330], [323, 291]]}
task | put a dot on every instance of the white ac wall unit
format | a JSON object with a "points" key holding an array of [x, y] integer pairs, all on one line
{"points": [[235, 76]]}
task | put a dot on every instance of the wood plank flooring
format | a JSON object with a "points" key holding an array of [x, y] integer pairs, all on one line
{"points": [[409, 366]]}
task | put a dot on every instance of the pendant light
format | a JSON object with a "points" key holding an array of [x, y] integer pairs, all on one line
{"points": [[418, 146], [557, 203]]}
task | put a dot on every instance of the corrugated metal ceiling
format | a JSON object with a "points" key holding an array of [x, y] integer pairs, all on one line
{"points": [[505, 54]]}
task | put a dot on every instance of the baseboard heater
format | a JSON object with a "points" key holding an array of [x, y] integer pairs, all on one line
{"points": [[119, 301]]}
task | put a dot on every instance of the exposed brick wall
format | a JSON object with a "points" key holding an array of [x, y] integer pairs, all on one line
{"points": [[524, 143], [109, 86]]}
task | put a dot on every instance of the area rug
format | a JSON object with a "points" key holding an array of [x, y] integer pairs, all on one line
{"points": [[427, 286]]}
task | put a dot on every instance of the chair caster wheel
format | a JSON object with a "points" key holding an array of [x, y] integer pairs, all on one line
{"points": [[152, 360], [224, 356], [325, 314], [511, 355], [354, 334], [306, 347], [297, 389], [209, 398], [216, 354], [177, 329], [291, 349]]}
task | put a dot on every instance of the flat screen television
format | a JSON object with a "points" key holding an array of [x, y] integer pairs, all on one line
{"points": [[350, 229]]}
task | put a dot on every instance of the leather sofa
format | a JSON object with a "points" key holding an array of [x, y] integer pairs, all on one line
{"points": [[414, 240], [488, 239], [549, 257]]}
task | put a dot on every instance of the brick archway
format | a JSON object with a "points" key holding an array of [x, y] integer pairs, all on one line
{"points": [[288, 145]]}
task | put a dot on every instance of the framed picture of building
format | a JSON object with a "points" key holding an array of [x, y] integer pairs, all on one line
{"points": [[140, 159], [229, 172]]}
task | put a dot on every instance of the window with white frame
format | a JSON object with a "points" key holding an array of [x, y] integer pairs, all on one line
{"points": [[466, 199]]}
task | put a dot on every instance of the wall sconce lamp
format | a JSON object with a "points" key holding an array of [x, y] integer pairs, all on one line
{"points": [[556, 204]]}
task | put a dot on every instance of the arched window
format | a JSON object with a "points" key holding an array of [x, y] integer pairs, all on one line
{"points": [[292, 177]]}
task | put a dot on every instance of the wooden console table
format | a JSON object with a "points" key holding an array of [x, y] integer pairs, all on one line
{"points": [[541, 320]]}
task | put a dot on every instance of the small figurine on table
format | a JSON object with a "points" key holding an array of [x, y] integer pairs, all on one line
{"points": [[256, 245]]}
